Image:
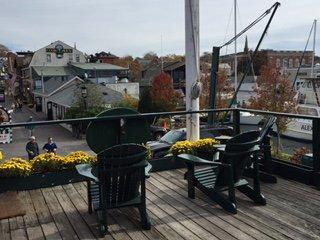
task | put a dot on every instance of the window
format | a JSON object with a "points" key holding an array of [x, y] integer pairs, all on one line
{"points": [[48, 57], [297, 62], [77, 58], [284, 63], [70, 57], [290, 63], [278, 62], [303, 62]]}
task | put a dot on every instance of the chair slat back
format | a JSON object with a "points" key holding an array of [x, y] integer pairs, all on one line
{"points": [[267, 127], [237, 153], [120, 171]]}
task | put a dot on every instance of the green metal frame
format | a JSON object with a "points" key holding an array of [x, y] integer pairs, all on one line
{"points": [[226, 174], [268, 165], [117, 181], [40, 180]]}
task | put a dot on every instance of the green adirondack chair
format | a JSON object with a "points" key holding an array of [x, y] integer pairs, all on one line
{"points": [[118, 180], [225, 174]]}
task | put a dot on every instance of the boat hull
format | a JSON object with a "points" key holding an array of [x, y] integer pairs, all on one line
{"points": [[300, 129]]}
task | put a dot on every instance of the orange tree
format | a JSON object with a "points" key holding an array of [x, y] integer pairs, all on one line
{"points": [[274, 92], [224, 92], [164, 97], [134, 66]]}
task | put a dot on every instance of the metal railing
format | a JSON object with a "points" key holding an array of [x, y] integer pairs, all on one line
{"points": [[283, 168]]}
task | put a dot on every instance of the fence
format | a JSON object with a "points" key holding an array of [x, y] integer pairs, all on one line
{"points": [[306, 174]]}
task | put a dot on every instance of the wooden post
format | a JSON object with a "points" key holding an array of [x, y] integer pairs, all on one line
{"points": [[192, 66]]}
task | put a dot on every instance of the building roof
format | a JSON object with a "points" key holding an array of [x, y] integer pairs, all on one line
{"points": [[66, 96], [53, 84], [173, 65], [52, 71], [97, 66]]}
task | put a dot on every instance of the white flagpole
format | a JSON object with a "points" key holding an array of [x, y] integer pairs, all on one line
{"points": [[192, 66], [235, 47]]}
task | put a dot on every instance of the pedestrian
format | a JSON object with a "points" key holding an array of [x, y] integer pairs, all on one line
{"points": [[50, 146], [32, 148], [30, 128]]}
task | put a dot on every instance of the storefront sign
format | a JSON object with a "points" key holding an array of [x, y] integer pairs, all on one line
{"points": [[59, 50]]}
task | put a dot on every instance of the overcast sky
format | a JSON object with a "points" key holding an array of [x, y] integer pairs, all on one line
{"points": [[135, 26]]}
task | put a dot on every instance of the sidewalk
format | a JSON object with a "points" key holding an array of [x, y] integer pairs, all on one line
{"points": [[64, 139]]}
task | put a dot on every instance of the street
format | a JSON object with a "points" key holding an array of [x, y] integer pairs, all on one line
{"points": [[63, 138]]}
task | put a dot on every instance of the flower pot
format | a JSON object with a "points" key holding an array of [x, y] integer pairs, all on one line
{"points": [[40, 180]]}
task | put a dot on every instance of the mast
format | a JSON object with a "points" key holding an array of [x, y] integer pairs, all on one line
{"points": [[192, 67], [314, 46], [161, 58], [235, 47]]}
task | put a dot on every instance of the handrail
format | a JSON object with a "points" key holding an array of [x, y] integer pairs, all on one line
{"points": [[149, 115], [282, 168]]}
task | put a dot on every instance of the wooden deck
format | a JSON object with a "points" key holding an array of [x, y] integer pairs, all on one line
{"points": [[292, 212]]}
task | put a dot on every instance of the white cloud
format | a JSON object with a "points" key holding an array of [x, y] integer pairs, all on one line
{"points": [[135, 26]]}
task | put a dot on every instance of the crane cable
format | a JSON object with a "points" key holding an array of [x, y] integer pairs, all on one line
{"points": [[262, 16]]}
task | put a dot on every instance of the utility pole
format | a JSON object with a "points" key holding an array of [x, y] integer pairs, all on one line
{"points": [[192, 67]]}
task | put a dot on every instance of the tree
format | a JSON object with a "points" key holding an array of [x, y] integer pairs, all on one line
{"points": [[173, 58], [3, 50], [93, 104], [164, 97], [150, 56], [274, 93], [134, 66], [224, 92], [128, 102], [145, 103]]}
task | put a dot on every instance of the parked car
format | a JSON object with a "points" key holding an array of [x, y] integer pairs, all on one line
{"points": [[157, 132], [161, 147]]}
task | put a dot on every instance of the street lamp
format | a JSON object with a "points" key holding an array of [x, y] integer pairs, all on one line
{"points": [[84, 95]]}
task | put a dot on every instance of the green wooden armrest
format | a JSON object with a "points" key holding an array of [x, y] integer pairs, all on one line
{"points": [[251, 150], [147, 170], [85, 170], [188, 158]]}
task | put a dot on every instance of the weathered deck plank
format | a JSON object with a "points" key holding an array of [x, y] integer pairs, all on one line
{"points": [[292, 212]]}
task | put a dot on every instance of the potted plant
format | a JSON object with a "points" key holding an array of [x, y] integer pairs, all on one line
{"points": [[203, 148], [45, 170]]}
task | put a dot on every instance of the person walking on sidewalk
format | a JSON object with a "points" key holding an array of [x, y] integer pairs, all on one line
{"points": [[32, 148], [50, 146]]}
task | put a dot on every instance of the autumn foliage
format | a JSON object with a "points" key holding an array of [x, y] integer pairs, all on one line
{"points": [[274, 92], [134, 66], [163, 95], [224, 92]]}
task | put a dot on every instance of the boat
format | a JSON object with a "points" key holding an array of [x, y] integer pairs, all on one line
{"points": [[308, 101], [301, 129]]}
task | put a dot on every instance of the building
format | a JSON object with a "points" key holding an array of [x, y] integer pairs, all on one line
{"points": [[304, 72], [15, 64], [59, 96], [175, 69], [103, 57], [57, 64], [279, 58]]}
